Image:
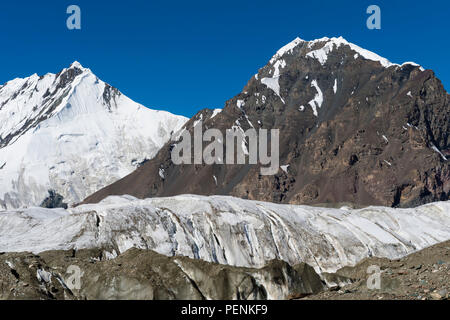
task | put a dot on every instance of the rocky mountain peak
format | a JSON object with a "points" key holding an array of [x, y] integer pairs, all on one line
{"points": [[354, 128]]}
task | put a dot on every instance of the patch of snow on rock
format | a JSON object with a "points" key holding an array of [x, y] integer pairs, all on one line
{"points": [[318, 98]]}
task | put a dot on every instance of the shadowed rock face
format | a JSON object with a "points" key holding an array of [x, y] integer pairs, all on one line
{"points": [[144, 274], [54, 200], [375, 139]]}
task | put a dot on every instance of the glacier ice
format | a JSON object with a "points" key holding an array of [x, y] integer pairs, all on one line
{"points": [[229, 230]]}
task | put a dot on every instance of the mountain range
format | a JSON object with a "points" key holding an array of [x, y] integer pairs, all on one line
{"points": [[87, 179]]}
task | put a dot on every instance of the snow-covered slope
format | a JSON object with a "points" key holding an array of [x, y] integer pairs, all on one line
{"points": [[229, 230], [73, 133]]}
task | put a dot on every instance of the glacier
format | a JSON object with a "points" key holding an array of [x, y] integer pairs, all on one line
{"points": [[229, 230], [72, 133]]}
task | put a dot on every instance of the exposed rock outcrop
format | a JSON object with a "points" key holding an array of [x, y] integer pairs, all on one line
{"points": [[146, 275]]}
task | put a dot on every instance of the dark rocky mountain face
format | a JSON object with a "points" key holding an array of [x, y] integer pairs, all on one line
{"points": [[353, 129], [54, 200]]}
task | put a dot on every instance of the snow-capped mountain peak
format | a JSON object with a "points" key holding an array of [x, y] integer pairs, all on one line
{"points": [[346, 117], [286, 49], [76, 64], [73, 133], [24, 102], [320, 48]]}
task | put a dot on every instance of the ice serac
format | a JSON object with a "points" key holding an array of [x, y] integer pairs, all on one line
{"points": [[354, 128], [72, 133], [229, 230]]}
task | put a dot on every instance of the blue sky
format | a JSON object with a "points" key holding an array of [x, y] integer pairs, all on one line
{"points": [[182, 56]]}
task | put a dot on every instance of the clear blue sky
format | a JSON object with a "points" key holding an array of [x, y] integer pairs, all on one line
{"points": [[182, 56]]}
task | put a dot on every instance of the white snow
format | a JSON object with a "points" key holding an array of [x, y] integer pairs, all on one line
{"points": [[240, 103], [409, 94], [331, 44], [286, 49], [216, 112], [279, 64], [272, 83], [335, 86], [322, 53], [412, 63], [318, 98], [43, 276], [84, 144], [198, 120], [238, 128], [438, 151], [248, 121], [230, 230], [161, 173]]}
